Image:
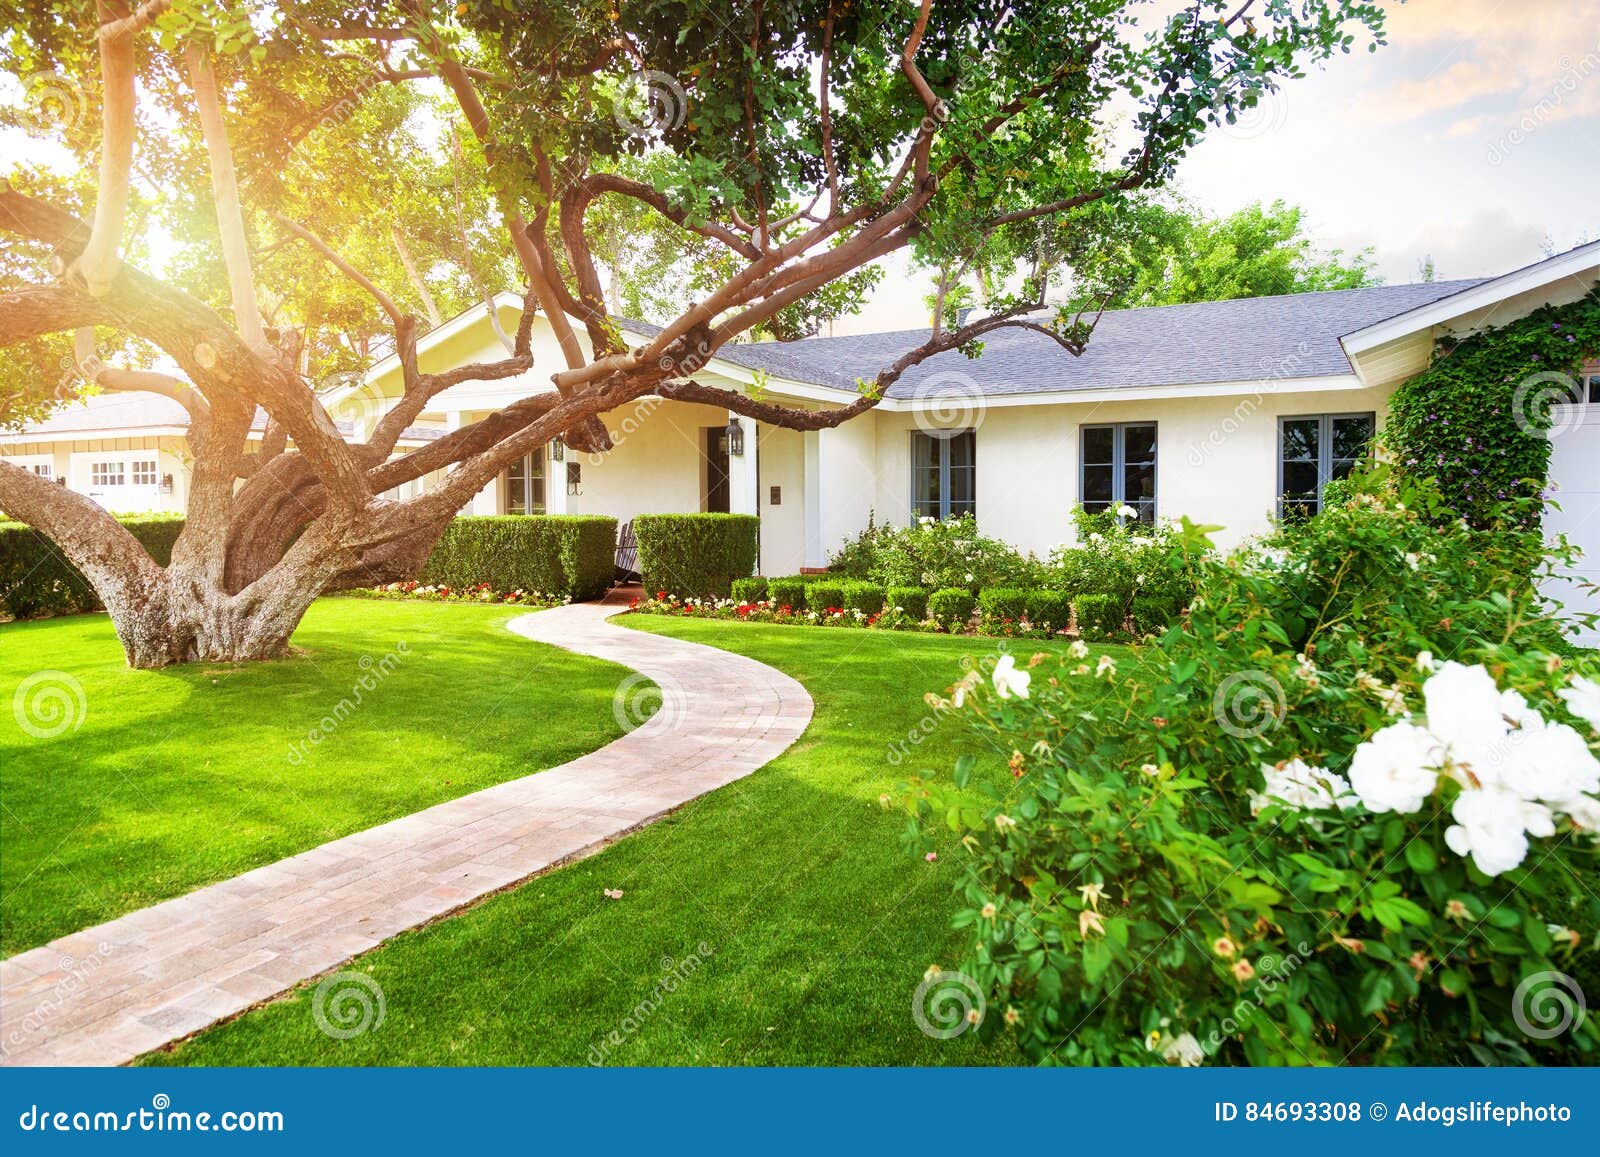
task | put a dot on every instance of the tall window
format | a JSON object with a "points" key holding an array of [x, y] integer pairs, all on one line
{"points": [[525, 484], [1119, 469], [944, 473], [1314, 450]]}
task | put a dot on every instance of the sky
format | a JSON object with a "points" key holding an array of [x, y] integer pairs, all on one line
{"points": [[1472, 137]]}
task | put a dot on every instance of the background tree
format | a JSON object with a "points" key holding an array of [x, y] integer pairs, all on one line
{"points": [[805, 138]]}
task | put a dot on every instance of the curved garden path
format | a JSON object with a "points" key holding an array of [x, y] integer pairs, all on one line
{"points": [[109, 993]]}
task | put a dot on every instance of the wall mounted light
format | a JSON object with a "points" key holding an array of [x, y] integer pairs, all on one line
{"points": [[166, 484], [735, 437], [558, 450], [574, 478]]}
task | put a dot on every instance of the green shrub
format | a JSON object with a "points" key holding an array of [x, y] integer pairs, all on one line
{"points": [[695, 555], [1050, 610], [36, 579], [1219, 806], [951, 607], [932, 554], [1000, 604], [559, 554], [865, 597], [912, 600], [1100, 617], [1153, 614], [787, 592], [750, 590], [1124, 560], [825, 595]]}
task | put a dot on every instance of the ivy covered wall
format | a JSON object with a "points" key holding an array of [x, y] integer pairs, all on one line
{"points": [[1478, 418]]}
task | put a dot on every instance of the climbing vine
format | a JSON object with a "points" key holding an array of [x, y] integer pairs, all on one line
{"points": [[1479, 419]]}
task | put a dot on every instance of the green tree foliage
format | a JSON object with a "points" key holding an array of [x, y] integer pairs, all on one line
{"points": [[1170, 253]]}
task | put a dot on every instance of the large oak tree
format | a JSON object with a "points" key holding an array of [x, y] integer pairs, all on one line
{"points": [[797, 141]]}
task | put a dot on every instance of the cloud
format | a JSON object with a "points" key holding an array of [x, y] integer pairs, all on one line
{"points": [[1484, 244]]}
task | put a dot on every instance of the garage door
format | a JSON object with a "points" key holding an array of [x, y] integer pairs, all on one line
{"points": [[1575, 485], [125, 483]]}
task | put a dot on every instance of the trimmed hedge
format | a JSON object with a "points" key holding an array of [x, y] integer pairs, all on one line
{"points": [[1099, 617], [863, 596], [1001, 603], [1153, 614], [556, 554], [695, 555], [750, 590], [825, 596], [36, 580], [1051, 610], [951, 607], [787, 592], [912, 600]]}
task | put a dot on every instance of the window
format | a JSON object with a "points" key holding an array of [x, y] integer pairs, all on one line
{"points": [[1314, 450], [144, 472], [42, 469], [944, 473], [107, 474], [1118, 468], [525, 484]]}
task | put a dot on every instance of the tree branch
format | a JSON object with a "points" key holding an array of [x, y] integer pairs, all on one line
{"points": [[100, 260]]}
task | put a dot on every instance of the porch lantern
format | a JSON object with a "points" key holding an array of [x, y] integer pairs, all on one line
{"points": [[735, 436], [558, 450], [574, 478]]}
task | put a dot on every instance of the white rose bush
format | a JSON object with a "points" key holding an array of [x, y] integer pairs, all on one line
{"points": [[1372, 861]]}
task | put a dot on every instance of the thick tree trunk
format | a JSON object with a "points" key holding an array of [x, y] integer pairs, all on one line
{"points": [[184, 619]]}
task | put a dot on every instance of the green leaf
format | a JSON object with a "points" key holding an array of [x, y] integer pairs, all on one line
{"points": [[1421, 856]]}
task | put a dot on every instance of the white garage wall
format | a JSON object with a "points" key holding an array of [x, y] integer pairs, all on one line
{"points": [[783, 527]]}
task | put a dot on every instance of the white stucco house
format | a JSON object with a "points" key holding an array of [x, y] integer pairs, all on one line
{"points": [[1225, 412]]}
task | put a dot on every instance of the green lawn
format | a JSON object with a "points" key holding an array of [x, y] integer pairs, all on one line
{"points": [[816, 926], [181, 777]]}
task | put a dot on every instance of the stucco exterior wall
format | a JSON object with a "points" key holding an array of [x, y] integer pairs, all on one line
{"points": [[1216, 460]]}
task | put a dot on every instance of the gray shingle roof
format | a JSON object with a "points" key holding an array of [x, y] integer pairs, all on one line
{"points": [[1292, 336]]}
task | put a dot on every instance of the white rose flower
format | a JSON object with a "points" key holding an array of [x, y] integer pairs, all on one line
{"points": [[1298, 786], [1424, 660], [1492, 826], [1464, 713], [1126, 511], [1582, 698], [1009, 681], [1397, 768], [1584, 811], [1183, 1051], [1550, 763]]}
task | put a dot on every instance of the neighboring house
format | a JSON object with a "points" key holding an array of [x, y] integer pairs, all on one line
{"points": [[127, 451], [1228, 412]]}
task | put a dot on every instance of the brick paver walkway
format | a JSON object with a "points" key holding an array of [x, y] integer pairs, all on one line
{"points": [[107, 994]]}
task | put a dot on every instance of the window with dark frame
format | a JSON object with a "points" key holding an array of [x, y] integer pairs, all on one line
{"points": [[525, 484], [944, 473], [1315, 449], [1117, 468]]}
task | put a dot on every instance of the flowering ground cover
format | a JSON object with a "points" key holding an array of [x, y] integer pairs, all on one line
{"points": [[127, 787], [777, 921]]}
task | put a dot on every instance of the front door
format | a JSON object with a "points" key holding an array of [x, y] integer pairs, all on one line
{"points": [[715, 445]]}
